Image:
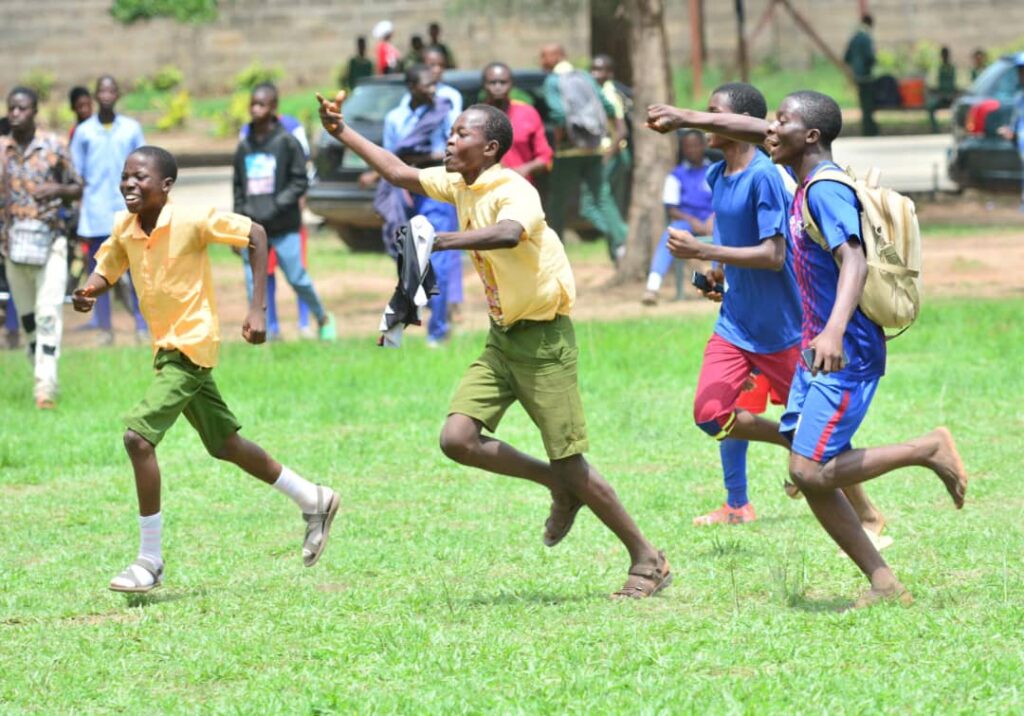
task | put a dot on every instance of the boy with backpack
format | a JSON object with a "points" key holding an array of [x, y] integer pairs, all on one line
{"points": [[843, 348], [580, 112]]}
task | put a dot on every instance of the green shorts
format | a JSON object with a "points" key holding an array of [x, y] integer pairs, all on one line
{"points": [[182, 387], [533, 362]]}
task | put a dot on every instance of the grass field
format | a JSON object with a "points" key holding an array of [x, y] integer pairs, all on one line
{"points": [[436, 595]]}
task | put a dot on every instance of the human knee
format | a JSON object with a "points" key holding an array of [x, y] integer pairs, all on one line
{"points": [[805, 474], [136, 445], [456, 443], [227, 450], [709, 416]]}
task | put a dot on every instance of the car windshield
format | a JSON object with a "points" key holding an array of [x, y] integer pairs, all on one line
{"points": [[998, 80], [371, 101]]}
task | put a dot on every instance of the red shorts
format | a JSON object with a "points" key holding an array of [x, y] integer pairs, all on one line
{"points": [[723, 374]]}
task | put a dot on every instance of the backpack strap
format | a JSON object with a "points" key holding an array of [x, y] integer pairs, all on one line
{"points": [[827, 174]]}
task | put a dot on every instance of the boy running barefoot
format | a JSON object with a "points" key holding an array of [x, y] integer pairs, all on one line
{"points": [[829, 399], [164, 246], [531, 351]]}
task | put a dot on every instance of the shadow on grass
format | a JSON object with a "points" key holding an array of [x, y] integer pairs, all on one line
{"points": [[549, 598], [161, 596], [805, 604]]}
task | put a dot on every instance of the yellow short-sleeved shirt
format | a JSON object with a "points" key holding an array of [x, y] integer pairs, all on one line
{"points": [[171, 273], [532, 281]]}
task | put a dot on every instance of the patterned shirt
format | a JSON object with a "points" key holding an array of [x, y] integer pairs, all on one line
{"points": [[44, 160]]}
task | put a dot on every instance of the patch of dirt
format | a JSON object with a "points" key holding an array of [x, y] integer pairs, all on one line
{"points": [[987, 264]]}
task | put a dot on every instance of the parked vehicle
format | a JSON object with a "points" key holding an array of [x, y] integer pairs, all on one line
{"points": [[337, 196], [979, 157]]}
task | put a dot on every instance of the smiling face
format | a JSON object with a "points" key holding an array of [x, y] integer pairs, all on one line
{"points": [[143, 188], [497, 84], [469, 151], [788, 137]]}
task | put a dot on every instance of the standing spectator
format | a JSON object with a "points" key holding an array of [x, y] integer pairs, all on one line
{"points": [[81, 104], [388, 58], [580, 113], [11, 333], [99, 149], [860, 57], [415, 54], [435, 60], [269, 182], [979, 61], [687, 199], [530, 153], [359, 65], [417, 131], [945, 90], [617, 157], [292, 125], [38, 176], [434, 30], [1015, 130]]}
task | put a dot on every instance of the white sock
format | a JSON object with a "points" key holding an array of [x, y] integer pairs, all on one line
{"points": [[302, 491], [151, 528], [653, 281]]}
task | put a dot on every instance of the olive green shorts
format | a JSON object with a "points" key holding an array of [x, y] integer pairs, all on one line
{"points": [[533, 362], [182, 387]]}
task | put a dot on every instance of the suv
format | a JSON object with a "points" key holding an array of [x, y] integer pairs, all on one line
{"points": [[337, 196], [979, 157]]}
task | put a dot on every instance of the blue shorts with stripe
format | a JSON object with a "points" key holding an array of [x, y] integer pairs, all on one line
{"points": [[824, 411]]}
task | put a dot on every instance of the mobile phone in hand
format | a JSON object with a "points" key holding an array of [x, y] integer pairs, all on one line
{"points": [[807, 354], [701, 282]]}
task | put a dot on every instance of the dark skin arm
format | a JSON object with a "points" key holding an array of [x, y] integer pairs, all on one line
{"points": [[503, 235], [853, 272], [84, 298], [386, 164], [769, 254], [740, 127], [53, 190], [254, 328]]}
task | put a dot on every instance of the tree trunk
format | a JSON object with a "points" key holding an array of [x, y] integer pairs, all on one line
{"points": [[653, 154]]}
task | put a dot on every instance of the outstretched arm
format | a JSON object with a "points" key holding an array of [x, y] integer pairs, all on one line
{"points": [[390, 167], [503, 235], [741, 127], [254, 326]]}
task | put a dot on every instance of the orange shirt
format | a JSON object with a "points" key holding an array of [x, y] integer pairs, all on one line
{"points": [[171, 273]]}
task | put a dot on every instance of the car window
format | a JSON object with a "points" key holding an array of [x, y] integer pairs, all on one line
{"points": [[999, 80], [370, 102]]}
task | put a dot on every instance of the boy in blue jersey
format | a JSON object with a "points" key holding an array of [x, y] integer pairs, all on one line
{"points": [[829, 398]]}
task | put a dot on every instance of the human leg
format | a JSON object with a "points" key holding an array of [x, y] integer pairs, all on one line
{"points": [[289, 258], [595, 183], [303, 309], [866, 95], [50, 321], [566, 173], [661, 262]]}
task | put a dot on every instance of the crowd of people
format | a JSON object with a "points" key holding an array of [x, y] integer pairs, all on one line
{"points": [[781, 232]]}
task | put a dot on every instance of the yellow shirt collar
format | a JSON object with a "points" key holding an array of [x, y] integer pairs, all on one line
{"points": [[162, 221]]}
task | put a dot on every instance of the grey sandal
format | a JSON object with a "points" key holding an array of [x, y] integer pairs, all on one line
{"points": [[134, 586]]}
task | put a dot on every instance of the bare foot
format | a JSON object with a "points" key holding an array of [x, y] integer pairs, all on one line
{"points": [[895, 592], [946, 463], [564, 507]]}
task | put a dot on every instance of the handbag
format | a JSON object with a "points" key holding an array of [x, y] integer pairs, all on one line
{"points": [[29, 241]]}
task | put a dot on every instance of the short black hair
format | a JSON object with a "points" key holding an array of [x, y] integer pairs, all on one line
{"points": [[265, 86], [744, 98], [685, 134], [164, 160], [819, 111], [414, 74], [76, 93], [867, 20], [493, 66], [434, 26], [497, 127], [25, 92]]}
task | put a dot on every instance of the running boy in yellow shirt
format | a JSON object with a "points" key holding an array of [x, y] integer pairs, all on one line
{"points": [[164, 246], [531, 351]]}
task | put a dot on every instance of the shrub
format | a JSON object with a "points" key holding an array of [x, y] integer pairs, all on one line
{"points": [[42, 81], [167, 78], [193, 11], [176, 111], [254, 74]]}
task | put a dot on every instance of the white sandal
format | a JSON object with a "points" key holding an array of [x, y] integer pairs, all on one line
{"points": [[129, 575]]}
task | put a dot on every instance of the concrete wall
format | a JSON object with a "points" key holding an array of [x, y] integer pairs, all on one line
{"points": [[310, 39]]}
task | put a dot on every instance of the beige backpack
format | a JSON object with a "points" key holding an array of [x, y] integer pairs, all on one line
{"points": [[892, 244]]}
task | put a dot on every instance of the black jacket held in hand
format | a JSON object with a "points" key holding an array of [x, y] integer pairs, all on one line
{"points": [[402, 308], [270, 178]]}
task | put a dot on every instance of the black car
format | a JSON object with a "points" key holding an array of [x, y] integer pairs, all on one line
{"points": [[336, 195], [980, 157]]}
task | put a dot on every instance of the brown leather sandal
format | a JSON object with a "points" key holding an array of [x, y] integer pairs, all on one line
{"points": [[646, 582], [560, 521]]}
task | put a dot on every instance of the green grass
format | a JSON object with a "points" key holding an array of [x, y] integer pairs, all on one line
{"points": [[436, 595]]}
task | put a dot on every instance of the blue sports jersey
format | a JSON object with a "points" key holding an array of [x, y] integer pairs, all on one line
{"points": [[761, 308], [836, 211]]}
